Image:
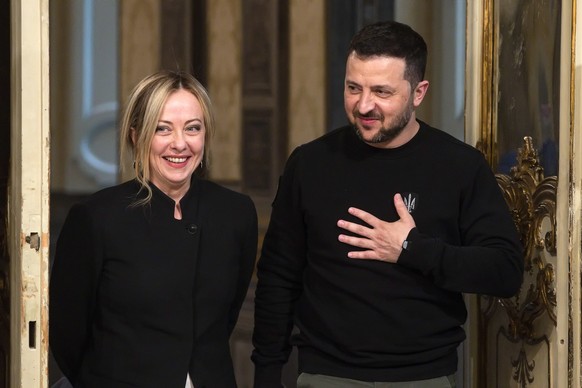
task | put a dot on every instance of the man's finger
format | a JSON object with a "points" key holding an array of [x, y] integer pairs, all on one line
{"points": [[354, 228], [363, 215], [401, 208]]}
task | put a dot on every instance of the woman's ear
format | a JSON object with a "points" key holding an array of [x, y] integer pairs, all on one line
{"points": [[133, 136]]}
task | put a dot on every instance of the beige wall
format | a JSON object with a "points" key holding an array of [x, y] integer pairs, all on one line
{"points": [[139, 38], [140, 34], [307, 62], [307, 89], [224, 85]]}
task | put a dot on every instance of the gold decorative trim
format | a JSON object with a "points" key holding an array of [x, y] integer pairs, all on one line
{"points": [[486, 140], [523, 368], [532, 201]]}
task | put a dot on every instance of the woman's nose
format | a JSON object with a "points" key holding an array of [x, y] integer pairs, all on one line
{"points": [[178, 140]]}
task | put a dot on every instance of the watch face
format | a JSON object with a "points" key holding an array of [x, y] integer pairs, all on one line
{"points": [[405, 244]]}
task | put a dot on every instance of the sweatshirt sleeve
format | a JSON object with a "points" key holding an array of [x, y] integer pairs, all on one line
{"points": [[72, 290], [489, 259], [279, 284]]}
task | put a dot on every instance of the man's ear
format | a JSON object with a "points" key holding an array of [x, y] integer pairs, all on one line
{"points": [[420, 92]]}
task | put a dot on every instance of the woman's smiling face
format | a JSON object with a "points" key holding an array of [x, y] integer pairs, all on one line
{"points": [[177, 147]]}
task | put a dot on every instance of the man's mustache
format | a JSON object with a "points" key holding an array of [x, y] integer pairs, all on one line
{"points": [[370, 115]]}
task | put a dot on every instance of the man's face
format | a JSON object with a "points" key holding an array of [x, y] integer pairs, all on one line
{"points": [[379, 102]]}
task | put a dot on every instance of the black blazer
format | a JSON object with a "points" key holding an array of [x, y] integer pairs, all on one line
{"points": [[139, 299]]}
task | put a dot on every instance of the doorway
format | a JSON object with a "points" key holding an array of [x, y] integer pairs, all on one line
{"points": [[4, 178]]}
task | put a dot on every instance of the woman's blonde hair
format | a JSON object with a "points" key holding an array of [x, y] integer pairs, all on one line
{"points": [[140, 119]]}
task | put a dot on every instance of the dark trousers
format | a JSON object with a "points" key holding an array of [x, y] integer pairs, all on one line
{"points": [[307, 380]]}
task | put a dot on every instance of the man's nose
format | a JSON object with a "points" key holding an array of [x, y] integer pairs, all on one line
{"points": [[366, 103]]}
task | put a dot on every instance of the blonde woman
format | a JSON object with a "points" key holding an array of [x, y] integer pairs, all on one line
{"points": [[150, 275]]}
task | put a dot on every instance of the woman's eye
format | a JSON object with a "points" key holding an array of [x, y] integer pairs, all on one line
{"points": [[162, 129], [193, 128]]}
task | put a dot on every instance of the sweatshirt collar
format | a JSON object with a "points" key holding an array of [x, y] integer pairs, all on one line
{"points": [[361, 148]]}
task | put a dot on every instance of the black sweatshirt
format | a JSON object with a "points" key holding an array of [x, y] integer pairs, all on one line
{"points": [[366, 319]]}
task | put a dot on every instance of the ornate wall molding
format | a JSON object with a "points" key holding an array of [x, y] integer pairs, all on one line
{"points": [[529, 318]]}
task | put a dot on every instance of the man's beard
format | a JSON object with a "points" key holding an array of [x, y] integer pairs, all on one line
{"points": [[385, 134]]}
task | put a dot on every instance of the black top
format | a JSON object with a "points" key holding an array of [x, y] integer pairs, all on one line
{"points": [[371, 320], [139, 299]]}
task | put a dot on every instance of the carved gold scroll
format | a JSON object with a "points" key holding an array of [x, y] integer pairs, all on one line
{"points": [[517, 332]]}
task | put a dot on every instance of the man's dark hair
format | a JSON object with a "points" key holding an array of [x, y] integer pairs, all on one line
{"points": [[392, 39]]}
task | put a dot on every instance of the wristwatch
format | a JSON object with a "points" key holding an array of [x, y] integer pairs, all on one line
{"points": [[406, 245]]}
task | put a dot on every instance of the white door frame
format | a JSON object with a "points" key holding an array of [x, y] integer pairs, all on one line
{"points": [[567, 359], [28, 207]]}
